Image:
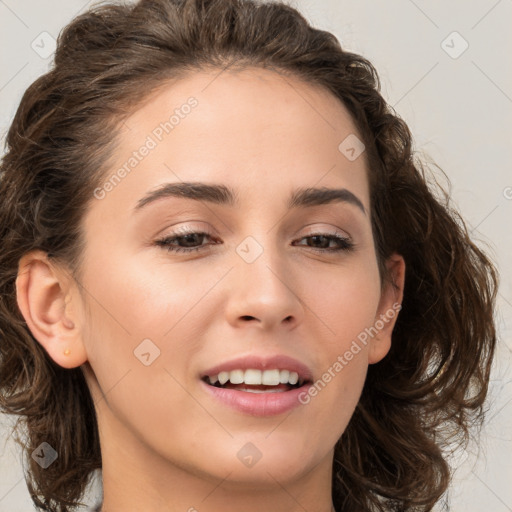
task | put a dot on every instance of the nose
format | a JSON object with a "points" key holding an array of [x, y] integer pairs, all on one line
{"points": [[264, 292]]}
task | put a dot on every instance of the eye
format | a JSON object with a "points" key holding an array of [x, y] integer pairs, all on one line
{"points": [[189, 238], [324, 239], [189, 241]]}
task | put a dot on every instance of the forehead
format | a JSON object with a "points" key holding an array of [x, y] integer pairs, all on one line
{"points": [[256, 129], [260, 100]]}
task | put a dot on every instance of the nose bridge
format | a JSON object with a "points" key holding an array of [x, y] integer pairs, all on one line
{"points": [[263, 283], [262, 256]]}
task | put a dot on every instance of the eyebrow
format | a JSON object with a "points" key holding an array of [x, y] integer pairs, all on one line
{"points": [[223, 195]]}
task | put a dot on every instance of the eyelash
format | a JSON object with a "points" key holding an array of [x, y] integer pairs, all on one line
{"points": [[345, 245]]}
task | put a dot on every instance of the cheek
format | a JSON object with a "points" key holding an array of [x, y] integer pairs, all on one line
{"points": [[145, 319], [144, 300], [139, 340], [345, 303], [345, 299]]}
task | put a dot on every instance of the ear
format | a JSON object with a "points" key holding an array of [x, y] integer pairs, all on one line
{"points": [[43, 293], [389, 306]]}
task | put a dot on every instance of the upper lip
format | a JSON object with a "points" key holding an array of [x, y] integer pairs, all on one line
{"points": [[255, 362]]}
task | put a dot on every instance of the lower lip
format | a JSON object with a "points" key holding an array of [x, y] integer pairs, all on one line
{"points": [[258, 404]]}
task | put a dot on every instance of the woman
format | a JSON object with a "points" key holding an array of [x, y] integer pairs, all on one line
{"points": [[225, 280]]}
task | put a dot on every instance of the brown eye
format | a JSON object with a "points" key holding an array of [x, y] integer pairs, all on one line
{"points": [[321, 242], [184, 242]]}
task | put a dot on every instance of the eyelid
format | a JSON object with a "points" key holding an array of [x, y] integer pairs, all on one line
{"points": [[185, 229], [345, 243], [188, 228], [333, 230]]}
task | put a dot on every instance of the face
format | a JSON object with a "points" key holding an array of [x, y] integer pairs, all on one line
{"points": [[179, 287]]}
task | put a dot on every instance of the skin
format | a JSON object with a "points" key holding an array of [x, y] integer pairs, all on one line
{"points": [[167, 445]]}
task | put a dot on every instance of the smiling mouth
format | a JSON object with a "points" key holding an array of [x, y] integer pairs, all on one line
{"points": [[256, 392], [275, 381]]}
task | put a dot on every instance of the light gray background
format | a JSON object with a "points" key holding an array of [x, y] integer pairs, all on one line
{"points": [[459, 108]]}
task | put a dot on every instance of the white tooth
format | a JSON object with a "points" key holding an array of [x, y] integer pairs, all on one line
{"points": [[252, 377], [270, 378], [236, 376], [284, 375], [223, 377]]}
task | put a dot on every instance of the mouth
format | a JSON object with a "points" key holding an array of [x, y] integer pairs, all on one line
{"points": [[257, 381], [258, 385]]}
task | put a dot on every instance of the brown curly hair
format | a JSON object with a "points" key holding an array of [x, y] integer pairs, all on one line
{"points": [[426, 394]]}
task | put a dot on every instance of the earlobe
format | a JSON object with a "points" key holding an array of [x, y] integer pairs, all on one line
{"points": [[388, 310], [41, 296]]}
